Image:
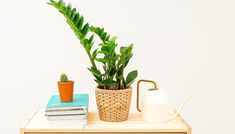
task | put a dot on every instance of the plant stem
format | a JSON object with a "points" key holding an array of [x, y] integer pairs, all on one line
{"points": [[117, 79], [91, 60], [89, 55], [124, 83]]}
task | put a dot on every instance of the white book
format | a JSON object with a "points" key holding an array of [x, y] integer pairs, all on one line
{"points": [[66, 108], [66, 112], [82, 118]]}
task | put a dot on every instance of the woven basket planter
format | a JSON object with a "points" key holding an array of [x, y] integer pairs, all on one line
{"points": [[113, 105]]}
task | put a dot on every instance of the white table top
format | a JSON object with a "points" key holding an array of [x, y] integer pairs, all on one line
{"points": [[38, 123]]}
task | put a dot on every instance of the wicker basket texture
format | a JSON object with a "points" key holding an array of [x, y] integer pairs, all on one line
{"points": [[113, 105]]}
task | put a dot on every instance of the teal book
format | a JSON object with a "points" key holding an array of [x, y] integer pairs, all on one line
{"points": [[80, 101]]}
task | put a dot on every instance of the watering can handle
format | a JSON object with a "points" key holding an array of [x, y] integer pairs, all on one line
{"points": [[138, 90]]}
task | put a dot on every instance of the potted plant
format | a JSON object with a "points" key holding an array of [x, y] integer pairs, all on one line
{"points": [[113, 92], [65, 87]]}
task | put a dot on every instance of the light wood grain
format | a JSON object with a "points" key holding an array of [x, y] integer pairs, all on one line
{"points": [[38, 124], [104, 133]]}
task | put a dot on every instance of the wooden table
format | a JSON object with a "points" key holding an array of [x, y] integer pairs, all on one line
{"points": [[37, 123]]}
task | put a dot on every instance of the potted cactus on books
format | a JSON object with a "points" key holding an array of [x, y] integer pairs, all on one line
{"points": [[65, 87], [113, 92]]}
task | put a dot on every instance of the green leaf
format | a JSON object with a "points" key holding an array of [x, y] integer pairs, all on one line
{"points": [[96, 73], [131, 77], [85, 29], [126, 61], [95, 52], [107, 82], [112, 72], [101, 33], [62, 8], [88, 45], [104, 36], [122, 49], [92, 28], [98, 31], [68, 10], [104, 61], [76, 19], [74, 11], [91, 39], [80, 23], [61, 2], [104, 49], [129, 48], [101, 30], [107, 38], [61, 5]]}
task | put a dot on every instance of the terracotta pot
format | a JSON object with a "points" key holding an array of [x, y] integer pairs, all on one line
{"points": [[66, 91], [113, 105]]}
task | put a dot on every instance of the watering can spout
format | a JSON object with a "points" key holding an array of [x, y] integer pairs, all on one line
{"points": [[180, 107]]}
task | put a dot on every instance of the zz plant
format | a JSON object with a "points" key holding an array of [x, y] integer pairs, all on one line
{"points": [[113, 63]]}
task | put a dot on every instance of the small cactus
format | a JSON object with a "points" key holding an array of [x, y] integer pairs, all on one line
{"points": [[63, 78]]}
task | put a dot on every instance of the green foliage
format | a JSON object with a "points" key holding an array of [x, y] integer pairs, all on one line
{"points": [[113, 63], [63, 78]]}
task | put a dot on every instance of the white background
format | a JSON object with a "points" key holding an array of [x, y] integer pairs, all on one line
{"points": [[185, 46]]}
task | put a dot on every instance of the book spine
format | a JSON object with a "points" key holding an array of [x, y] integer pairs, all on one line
{"points": [[66, 113], [66, 108], [69, 117]]}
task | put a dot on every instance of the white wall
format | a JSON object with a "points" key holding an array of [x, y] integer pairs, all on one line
{"points": [[185, 46]]}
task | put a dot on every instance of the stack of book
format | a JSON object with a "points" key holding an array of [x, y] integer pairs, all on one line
{"points": [[76, 110]]}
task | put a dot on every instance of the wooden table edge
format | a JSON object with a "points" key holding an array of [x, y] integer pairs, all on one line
{"points": [[189, 129], [110, 130], [24, 125]]}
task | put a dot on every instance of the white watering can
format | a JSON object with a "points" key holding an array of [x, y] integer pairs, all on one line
{"points": [[155, 106]]}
